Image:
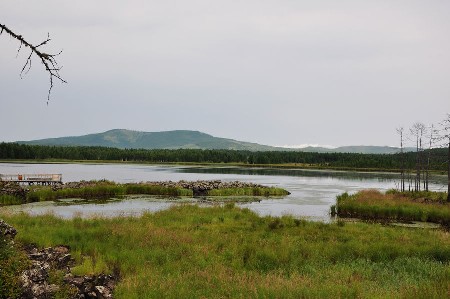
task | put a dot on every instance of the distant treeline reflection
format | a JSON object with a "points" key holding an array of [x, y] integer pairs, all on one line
{"points": [[438, 157], [348, 175]]}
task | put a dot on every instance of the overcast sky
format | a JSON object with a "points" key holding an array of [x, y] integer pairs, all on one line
{"points": [[279, 72]]}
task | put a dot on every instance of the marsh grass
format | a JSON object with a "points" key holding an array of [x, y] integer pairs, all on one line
{"points": [[104, 191], [9, 200], [225, 251], [395, 206]]}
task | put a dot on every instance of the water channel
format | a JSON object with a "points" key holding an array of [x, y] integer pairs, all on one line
{"points": [[312, 191]]}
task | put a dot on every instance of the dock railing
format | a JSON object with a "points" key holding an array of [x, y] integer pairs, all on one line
{"points": [[38, 178]]}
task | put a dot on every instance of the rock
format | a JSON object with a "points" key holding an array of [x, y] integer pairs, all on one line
{"points": [[64, 260], [103, 292], [14, 189], [7, 230], [53, 288], [34, 280]]}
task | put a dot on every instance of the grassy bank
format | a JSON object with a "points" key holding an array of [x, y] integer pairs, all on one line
{"points": [[192, 252], [395, 206]]}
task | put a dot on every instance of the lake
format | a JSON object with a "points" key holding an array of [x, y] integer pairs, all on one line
{"points": [[312, 191]]}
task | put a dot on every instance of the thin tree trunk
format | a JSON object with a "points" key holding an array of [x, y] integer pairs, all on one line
{"points": [[429, 158], [427, 174], [448, 173], [417, 181]]}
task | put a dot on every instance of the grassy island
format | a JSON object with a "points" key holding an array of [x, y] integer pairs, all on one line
{"points": [[395, 206], [16, 194]]}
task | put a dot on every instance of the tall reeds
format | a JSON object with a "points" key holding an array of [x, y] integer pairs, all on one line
{"points": [[105, 191], [395, 206]]}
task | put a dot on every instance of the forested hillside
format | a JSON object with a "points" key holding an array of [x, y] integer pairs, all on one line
{"points": [[186, 139]]}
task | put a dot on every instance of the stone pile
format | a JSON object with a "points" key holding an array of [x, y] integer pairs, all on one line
{"points": [[202, 187], [205, 185], [35, 280], [92, 286], [12, 188], [7, 230]]}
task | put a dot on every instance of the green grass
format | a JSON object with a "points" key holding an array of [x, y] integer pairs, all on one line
{"points": [[104, 191], [12, 262], [192, 252], [395, 206], [9, 200]]}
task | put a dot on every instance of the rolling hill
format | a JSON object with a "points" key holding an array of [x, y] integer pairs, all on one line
{"points": [[186, 139], [121, 138]]}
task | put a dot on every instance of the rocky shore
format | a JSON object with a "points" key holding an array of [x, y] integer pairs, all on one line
{"points": [[35, 280]]}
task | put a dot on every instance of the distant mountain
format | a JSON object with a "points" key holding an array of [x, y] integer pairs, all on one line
{"points": [[186, 139], [120, 138]]}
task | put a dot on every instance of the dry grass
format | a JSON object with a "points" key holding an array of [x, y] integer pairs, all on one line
{"points": [[398, 206]]}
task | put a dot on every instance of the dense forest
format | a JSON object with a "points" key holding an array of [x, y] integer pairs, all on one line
{"points": [[438, 157]]}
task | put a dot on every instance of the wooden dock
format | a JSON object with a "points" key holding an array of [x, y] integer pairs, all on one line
{"points": [[31, 179]]}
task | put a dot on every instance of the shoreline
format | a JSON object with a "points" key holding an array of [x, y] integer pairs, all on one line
{"points": [[294, 166]]}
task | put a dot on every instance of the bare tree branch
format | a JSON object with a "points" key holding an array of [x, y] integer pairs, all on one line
{"points": [[48, 60]]}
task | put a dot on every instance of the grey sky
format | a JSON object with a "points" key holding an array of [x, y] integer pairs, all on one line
{"points": [[273, 72]]}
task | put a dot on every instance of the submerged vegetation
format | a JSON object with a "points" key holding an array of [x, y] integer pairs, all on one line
{"points": [[188, 252], [395, 206]]}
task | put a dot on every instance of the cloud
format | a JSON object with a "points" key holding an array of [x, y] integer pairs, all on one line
{"points": [[275, 72]]}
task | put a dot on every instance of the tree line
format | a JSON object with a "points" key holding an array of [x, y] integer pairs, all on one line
{"points": [[398, 161]]}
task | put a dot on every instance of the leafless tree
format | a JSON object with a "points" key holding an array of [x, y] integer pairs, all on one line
{"points": [[417, 131], [431, 139], [402, 170], [48, 60], [444, 139]]}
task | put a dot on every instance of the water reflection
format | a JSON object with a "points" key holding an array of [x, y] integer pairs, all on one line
{"points": [[312, 191], [348, 175]]}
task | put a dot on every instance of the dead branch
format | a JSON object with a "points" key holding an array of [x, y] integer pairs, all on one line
{"points": [[48, 60]]}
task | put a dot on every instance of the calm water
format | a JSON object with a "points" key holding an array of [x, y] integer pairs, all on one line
{"points": [[312, 191]]}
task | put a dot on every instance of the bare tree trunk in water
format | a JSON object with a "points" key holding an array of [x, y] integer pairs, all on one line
{"points": [[402, 161], [448, 173]]}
